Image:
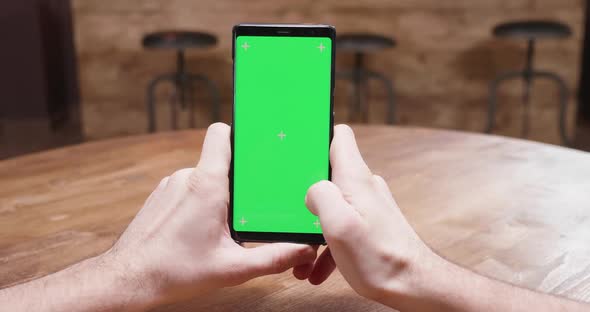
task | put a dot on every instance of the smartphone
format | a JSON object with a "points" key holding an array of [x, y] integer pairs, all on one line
{"points": [[281, 130]]}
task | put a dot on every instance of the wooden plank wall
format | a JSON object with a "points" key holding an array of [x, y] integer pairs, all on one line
{"points": [[441, 67]]}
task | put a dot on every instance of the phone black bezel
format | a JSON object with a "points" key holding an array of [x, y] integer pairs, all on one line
{"points": [[285, 30]]}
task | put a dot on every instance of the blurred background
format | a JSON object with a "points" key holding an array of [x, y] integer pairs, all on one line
{"points": [[81, 70]]}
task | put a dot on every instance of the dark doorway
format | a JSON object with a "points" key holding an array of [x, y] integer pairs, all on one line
{"points": [[584, 88], [39, 102], [583, 122]]}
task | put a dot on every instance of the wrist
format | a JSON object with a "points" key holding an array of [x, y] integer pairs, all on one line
{"points": [[95, 284], [431, 283], [132, 284], [413, 286]]}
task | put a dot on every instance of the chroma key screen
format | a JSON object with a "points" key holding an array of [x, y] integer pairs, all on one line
{"points": [[281, 131]]}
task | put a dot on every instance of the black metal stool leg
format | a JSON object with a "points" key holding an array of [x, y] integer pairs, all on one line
{"points": [[213, 92], [357, 77], [175, 99], [528, 84], [388, 84], [151, 98], [181, 78], [563, 101], [191, 104], [364, 96], [526, 101], [492, 97], [344, 75], [348, 76]]}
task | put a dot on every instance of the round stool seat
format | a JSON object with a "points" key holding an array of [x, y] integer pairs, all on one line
{"points": [[178, 40], [533, 30], [363, 42]]}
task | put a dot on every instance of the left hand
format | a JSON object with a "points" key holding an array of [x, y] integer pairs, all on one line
{"points": [[179, 244]]}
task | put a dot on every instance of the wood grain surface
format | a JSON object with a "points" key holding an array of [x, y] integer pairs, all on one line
{"points": [[510, 209], [441, 67]]}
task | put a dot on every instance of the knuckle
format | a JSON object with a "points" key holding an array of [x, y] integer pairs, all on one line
{"points": [[377, 182], [206, 183], [204, 176], [163, 182], [278, 263], [180, 175], [377, 178], [196, 183]]}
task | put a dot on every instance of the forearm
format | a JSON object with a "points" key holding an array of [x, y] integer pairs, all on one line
{"points": [[443, 286], [92, 285]]}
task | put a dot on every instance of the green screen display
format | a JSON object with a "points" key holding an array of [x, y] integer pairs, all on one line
{"points": [[281, 131]]}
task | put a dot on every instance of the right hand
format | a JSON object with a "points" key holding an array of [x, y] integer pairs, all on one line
{"points": [[369, 239]]}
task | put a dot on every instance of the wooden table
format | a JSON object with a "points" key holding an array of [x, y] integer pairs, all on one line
{"points": [[514, 210]]}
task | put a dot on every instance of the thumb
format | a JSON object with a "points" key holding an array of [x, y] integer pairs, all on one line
{"points": [[216, 152], [276, 258], [337, 216]]}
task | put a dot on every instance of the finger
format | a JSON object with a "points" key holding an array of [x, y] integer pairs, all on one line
{"points": [[345, 156], [276, 258], [337, 216], [302, 272], [323, 268], [216, 152]]}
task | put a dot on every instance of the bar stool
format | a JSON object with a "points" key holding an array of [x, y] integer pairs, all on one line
{"points": [[181, 79], [360, 45], [530, 31]]}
